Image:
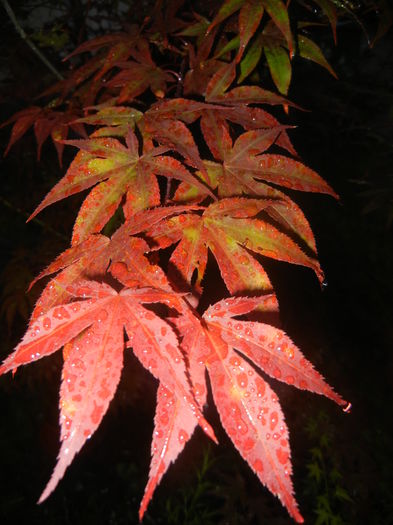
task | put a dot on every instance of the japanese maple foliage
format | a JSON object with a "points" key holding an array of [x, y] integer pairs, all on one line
{"points": [[197, 170]]}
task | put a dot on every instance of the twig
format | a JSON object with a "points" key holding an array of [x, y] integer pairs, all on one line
{"points": [[31, 44]]}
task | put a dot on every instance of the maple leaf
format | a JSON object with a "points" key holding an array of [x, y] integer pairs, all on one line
{"points": [[330, 11], [135, 78], [121, 47], [136, 75], [174, 424], [92, 257], [174, 134], [214, 115], [250, 14], [116, 120], [227, 230], [202, 68], [115, 171], [248, 407], [243, 215], [245, 167], [46, 122], [92, 325]]}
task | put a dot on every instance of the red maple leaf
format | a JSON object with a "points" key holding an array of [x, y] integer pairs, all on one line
{"points": [[91, 327]]}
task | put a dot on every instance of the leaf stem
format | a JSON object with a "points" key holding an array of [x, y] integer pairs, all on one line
{"points": [[31, 44]]}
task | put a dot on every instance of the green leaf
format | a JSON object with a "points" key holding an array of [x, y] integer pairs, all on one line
{"points": [[342, 494], [279, 15], [331, 12], [314, 471], [309, 50], [227, 9], [280, 66], [230, 46], [251, 58]]}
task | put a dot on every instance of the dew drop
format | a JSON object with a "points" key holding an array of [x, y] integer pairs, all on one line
{"points": [[248, 444], [183, 436], [242, 427], [258, 465], [242, 380], [282, 456], [234, 361], [273, 420]]}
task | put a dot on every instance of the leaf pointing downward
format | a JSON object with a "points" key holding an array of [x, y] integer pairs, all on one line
{"points": [[93, 360], [174, 425], [91, 373], [261, 439]]}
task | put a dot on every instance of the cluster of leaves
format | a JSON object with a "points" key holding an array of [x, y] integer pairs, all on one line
{"points": [[198, 167]]}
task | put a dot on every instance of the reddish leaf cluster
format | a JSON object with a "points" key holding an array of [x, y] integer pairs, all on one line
{"points": [[219, 196]]}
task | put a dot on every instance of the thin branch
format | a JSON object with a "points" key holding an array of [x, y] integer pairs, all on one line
{"points": [[31, 44]]}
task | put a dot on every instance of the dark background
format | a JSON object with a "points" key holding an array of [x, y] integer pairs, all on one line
{"points": [[342, 462]]}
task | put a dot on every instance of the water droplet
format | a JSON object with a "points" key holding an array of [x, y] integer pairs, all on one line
{"points": [[234, 361], [282, 456], [273, 420], [183, 436], [242, 380], [348, 407], [260, 385], [258, 465], [248, 444], [242, 427]]}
